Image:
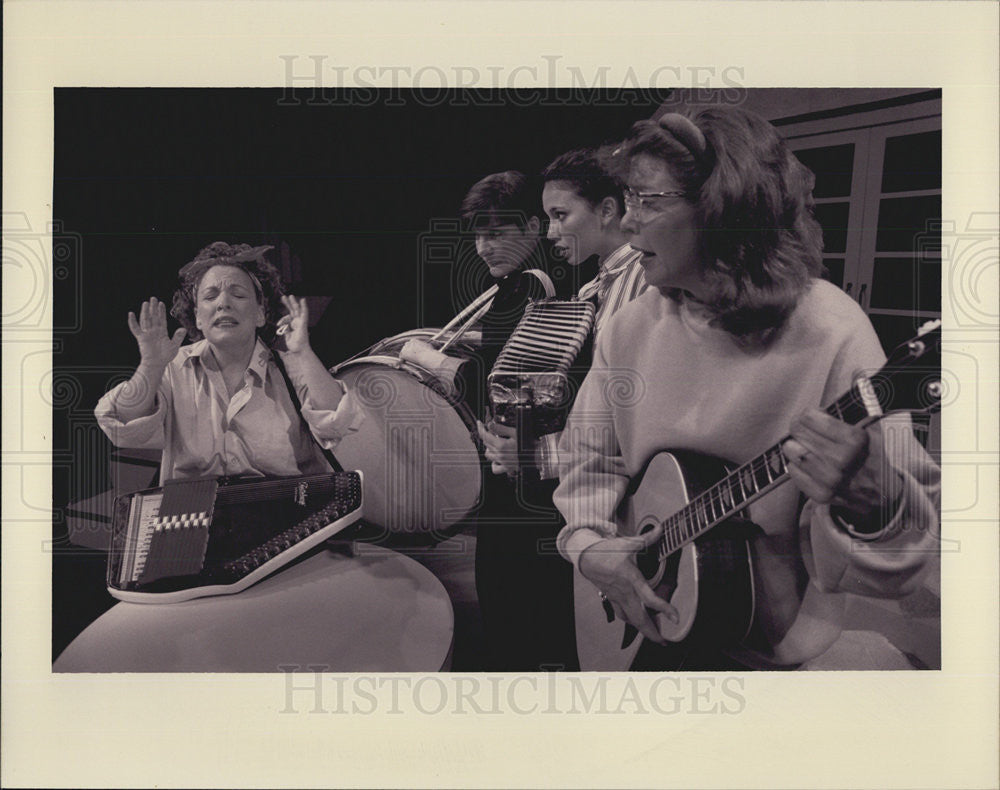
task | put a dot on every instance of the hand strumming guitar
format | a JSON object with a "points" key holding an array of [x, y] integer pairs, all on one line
{"points": [[610, 565]]}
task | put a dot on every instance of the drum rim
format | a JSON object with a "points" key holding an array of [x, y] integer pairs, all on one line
{"points": [[416, 334], [427, 379], [422, 377]]}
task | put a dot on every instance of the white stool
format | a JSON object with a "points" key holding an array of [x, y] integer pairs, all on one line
{"points": [[377, 611]]}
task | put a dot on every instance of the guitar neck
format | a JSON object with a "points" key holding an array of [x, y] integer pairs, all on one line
{"points": [[757, 477]]}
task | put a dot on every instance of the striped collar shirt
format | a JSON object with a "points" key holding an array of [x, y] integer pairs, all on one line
{"points": [[620, 280]]}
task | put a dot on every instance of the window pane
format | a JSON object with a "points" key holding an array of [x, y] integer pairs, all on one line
{"points": [[902, 283], [902, 222], [912, 161], [833, 167], [834, 271], [833, 218]]}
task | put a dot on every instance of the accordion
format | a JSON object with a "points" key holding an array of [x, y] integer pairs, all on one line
{"points": [[532, 371], [217, 536]]}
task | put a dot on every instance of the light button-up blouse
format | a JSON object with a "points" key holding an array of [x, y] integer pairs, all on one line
{"points": [[204, 432]]}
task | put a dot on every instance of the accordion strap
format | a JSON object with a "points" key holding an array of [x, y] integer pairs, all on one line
{"points": [[330, 459], [545, 280]]}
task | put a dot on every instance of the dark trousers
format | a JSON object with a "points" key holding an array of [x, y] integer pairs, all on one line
{"points": [[525, 587], [683, 657]]}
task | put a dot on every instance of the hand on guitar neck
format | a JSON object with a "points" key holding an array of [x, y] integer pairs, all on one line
{"points": [[693, 507], [831, 462], [610, 564], [843, 465]]}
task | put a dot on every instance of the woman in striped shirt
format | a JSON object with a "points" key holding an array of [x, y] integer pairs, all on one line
{"points": [[584, 203]]}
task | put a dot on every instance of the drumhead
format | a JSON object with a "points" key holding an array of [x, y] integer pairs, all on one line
{"points": [[421, 466]]}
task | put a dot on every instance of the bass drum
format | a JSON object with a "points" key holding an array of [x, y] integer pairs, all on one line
{"points": [[391, 346], [417, 448]]}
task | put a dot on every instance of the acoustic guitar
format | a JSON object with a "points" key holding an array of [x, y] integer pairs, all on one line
{"points": [[703, 565]]}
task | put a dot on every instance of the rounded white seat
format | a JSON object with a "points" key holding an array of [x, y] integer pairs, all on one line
{"points": [[377, 611]]}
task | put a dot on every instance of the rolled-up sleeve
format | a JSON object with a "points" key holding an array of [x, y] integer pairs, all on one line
{"points": [[145, 432], [329, 426], [888, 563]]}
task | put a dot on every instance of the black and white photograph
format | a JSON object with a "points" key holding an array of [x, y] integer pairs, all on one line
{"points": [[559, 397], [392, 242]]}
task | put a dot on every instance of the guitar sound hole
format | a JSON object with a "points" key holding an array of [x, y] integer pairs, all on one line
{"points": [[646, 559]]}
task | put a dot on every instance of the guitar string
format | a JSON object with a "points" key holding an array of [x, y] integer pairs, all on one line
{"points": [[274, 488], [678, 529]]}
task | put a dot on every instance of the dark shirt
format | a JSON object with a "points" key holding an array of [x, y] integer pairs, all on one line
{"points": [[524, 588], [515, 291], [497, 324], [517, 288]]}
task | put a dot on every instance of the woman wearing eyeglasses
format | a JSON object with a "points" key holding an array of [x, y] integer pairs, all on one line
{"points": [[736, 345]]}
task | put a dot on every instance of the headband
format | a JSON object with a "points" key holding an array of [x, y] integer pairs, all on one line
{"points": [[684, 130], [253, 254], [256, 284]]}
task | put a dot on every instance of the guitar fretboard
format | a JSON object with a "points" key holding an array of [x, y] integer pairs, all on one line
{"points": [[749, 482]]}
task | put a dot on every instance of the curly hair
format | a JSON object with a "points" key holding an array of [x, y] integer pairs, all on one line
{"points": [[266, 282], [759, 243], [593, 173]]}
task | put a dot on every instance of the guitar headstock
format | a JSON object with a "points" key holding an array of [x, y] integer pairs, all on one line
{"points": [[911, 379], [927, 342]]}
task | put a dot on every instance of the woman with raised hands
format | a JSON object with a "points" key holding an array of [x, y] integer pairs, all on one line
{"points": [[228, 404]]}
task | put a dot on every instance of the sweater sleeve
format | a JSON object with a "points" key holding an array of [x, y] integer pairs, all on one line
{"points": [[593, 477], [887, 563]]}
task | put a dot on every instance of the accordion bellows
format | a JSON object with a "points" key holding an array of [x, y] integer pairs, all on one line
{"points": [[533, 367]]}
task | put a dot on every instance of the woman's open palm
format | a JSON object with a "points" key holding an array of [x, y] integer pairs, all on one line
{"points": [[156, 347]]}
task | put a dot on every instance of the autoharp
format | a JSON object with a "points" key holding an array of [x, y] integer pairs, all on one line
{"points": [[532, 371], [216, 536]]}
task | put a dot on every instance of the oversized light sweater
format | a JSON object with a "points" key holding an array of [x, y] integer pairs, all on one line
{"points": [[663, 378]]}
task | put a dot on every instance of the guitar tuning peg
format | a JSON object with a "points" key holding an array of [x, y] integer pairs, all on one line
{"points": [[928, 326]]}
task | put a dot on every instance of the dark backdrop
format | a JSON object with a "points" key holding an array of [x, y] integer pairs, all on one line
{"points": [[355, 188]]}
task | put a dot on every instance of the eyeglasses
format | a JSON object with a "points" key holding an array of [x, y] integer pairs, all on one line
{"points": [[636, 201]]}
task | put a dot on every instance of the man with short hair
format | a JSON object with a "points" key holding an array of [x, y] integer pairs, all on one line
{"points": [[525, 593]]}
